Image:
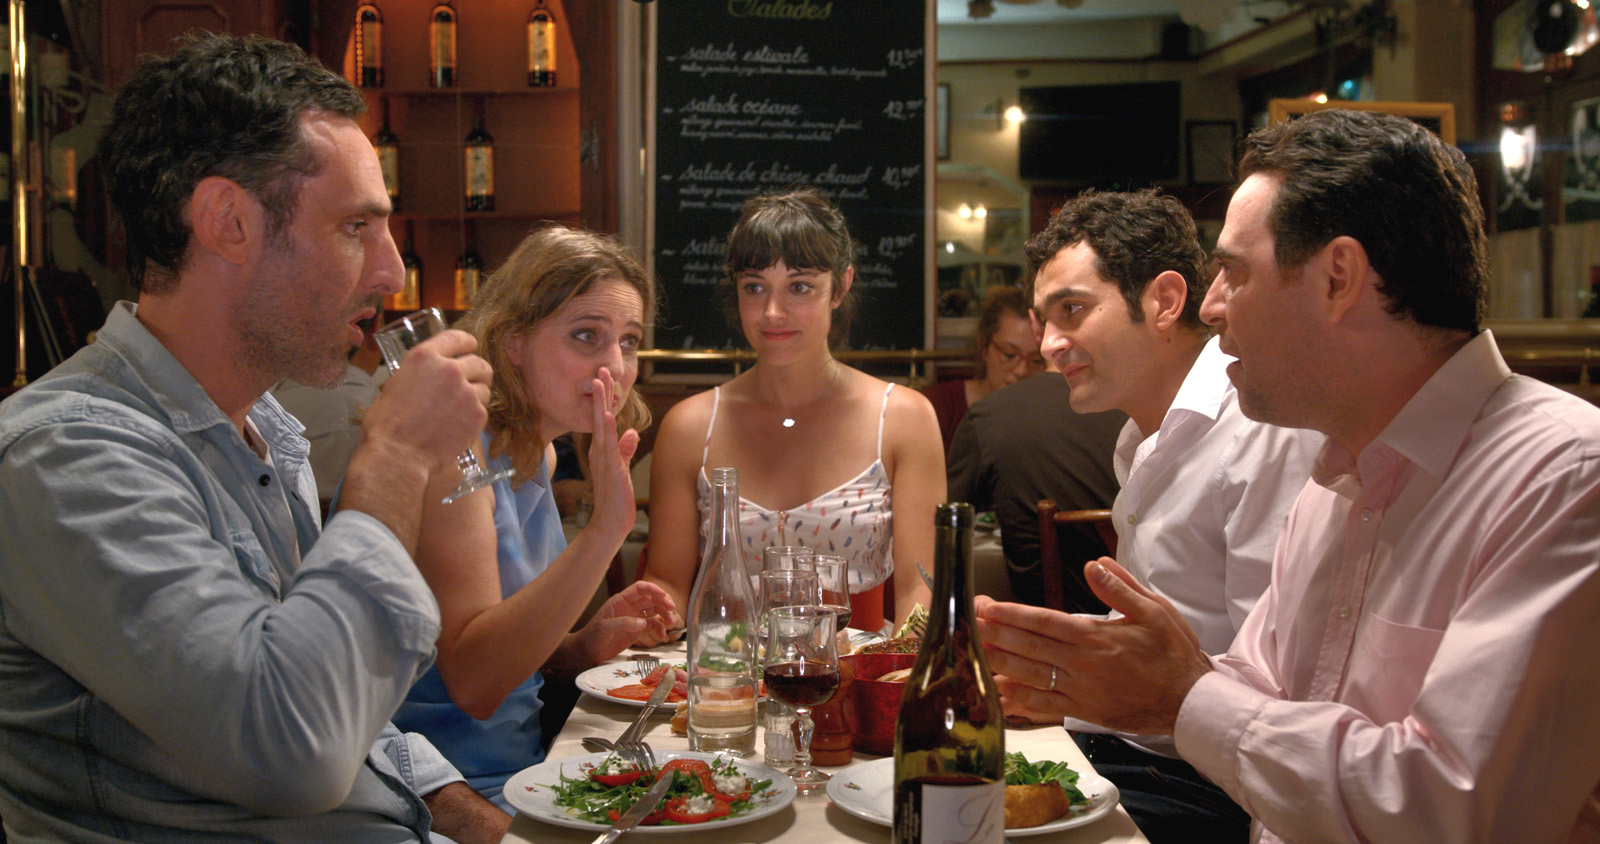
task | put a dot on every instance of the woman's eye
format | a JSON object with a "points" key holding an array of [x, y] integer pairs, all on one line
{"points": [[583, 336], [630, 343]]}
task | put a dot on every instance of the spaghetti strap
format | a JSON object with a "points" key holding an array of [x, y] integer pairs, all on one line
{"points": [[716, 400], [882, 413]]}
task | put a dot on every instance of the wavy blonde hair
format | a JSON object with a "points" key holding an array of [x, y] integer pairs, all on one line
{"points": [[549, 268]]}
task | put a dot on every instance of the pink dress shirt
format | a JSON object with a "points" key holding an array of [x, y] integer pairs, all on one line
{"points": [[1425, 666]]}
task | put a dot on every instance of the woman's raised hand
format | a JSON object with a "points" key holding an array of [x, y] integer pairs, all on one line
{"points": [[610, 457], [639, 615]]}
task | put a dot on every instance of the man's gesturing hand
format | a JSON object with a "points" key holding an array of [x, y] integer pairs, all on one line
{"points": [[1129, 673]]}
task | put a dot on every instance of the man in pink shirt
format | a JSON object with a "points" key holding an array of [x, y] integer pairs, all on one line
{"points": [[1423, 666]]}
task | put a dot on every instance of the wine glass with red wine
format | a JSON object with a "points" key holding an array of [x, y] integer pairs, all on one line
{"points": [[802, 670]]}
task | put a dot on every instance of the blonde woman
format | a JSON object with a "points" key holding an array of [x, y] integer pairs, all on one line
{"points": [[561, 323]]}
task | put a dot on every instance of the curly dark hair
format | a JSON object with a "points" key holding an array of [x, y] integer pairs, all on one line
{"points": [[219, 105], [1135, 237], [1407, 196], [804, 230]]}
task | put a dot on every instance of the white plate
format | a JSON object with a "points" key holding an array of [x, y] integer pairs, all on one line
{"points": [[613, 675], [531, 792], [866, 790]]}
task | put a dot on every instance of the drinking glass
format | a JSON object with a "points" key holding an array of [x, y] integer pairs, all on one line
{"points": [[785, 557], [802, 669], [833, 574], [786, 588], [401, 336]]}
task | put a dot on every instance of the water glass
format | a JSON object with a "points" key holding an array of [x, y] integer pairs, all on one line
{"points": [[401, 336]]}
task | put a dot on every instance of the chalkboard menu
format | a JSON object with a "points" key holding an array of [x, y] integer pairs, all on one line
{"points": [[763, 95]]}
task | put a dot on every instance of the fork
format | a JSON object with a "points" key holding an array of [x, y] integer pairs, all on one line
{"points": [[639, 753], [646, 664]]}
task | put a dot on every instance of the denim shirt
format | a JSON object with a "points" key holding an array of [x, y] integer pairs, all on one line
{"points": [[185, 654]]}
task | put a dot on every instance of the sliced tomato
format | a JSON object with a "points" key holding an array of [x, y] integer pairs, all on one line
{"points": [[651, 819], [653, 679], [694, 768], [614, 780], [743, 794], [637, 691], [678, 814]]}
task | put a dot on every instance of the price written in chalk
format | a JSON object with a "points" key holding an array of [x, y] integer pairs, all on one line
{"points": [[902, 59], [890, 246], [899, 177], [903, 109]]}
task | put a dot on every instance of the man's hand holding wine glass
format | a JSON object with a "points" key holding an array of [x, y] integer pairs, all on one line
{"points": [[427, 412], [1129, 673]]}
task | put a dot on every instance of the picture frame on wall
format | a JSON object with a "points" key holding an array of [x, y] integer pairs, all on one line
{"points": [[1440, 118], [1210, 148], [941, 125]]}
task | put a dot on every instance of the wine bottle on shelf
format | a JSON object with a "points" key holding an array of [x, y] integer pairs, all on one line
{"points": [[479, 160], [369, 46], [722, 647], [541, 47], [442, 46], [388, 147], [469, 270], [410, 296], [949, 741]]}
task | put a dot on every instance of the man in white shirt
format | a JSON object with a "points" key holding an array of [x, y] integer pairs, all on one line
{"points": [[1422, 667], [1117, 285]]}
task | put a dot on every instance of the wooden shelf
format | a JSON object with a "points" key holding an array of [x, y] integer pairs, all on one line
{"points": [[535, 132]]}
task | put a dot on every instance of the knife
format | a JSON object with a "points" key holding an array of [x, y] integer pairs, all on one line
{"points": [[657, 697], [926, 578], [629, 819]]}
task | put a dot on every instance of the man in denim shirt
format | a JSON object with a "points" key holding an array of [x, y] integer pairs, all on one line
{"points": [[185, 654]]}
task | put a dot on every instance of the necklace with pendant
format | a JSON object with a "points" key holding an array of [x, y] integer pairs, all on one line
{"points": [[788, 421]]}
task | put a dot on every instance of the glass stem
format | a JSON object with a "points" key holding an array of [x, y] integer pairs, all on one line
{"points": [[802, 737]]}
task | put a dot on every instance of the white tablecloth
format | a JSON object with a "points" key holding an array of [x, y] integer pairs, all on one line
{"points": [[810, 818]]}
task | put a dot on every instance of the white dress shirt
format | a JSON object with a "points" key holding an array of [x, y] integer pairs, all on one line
{"points": [[1203, 500]]}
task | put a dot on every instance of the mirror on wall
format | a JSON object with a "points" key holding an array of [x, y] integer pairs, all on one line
{"points": [[981, 225]]}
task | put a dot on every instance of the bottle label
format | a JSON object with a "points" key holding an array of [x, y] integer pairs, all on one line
{"points": [[409, 298], [371, 43], [541, 46], [928, 813], [480, 171], [389, 163], [467, 282], [443, 41]]}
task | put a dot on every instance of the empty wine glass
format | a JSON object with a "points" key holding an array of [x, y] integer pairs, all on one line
{"points": [[786, 588], [401, 336], [833, 575], [802, 669]]}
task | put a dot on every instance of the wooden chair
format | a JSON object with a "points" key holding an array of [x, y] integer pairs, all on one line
{"points": [[1064, 586]]}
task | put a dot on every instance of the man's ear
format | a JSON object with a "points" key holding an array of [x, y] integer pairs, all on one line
{"points": [[1349, 275], [225, 219], [1164, 299]]}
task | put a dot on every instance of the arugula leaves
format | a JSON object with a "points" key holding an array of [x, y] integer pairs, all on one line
{"points": [[1019, 771], [586, 798]]}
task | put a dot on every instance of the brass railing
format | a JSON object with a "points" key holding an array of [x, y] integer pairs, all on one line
{"points": [[737, 359]]}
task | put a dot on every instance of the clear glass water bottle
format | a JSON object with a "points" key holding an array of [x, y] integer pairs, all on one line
{"points": [[722, 634]]}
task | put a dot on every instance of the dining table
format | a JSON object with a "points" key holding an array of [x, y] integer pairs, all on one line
{"points": [[810, 818]]}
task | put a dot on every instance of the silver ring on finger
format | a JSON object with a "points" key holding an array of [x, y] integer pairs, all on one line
{"points": [[1053, 670]]}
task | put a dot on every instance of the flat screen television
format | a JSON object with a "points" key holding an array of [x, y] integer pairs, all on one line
{"points": [[1124, 135]]}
